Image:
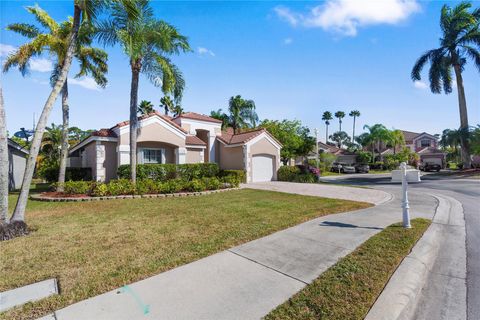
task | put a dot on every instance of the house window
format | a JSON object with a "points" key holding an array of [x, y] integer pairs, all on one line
{"points": [[152, 155], [425, 143]]}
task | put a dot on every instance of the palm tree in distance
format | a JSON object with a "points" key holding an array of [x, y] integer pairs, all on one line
{"points": [[148, 43], [460, 40], [85, 10], [377, 134], [355, 114], [220, 115], [241, 113], [93, 61], [340, 115], [167, 104], [145, 107], [397, 139], [327, 117]]}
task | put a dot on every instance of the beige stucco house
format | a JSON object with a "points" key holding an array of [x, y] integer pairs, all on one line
{"points": [[188, 138]]}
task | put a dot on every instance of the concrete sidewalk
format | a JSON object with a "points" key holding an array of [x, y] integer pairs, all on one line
{"points": [[248, 281]]}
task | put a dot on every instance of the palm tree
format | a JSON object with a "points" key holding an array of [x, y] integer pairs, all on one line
{"points": [[220, 115], [451, 138], [340, 137], [460, 40], [340, 115], [397, 139], [327, 116], [3, 164], [378, 133], [241, 113], [167, 103], [145, 107], [355, 114], [148, 43], [93, 61], [83, 10]]}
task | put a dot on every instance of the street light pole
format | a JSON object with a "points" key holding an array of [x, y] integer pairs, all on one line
{"points": [[405, 204], [316, 148]]}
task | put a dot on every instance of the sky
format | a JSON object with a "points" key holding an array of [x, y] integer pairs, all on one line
{"points": [[294, 59]]}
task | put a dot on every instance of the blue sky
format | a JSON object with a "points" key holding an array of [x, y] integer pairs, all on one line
{"points": [[294, 59]]}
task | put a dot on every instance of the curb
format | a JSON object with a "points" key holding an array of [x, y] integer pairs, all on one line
{"points": [[160, 195], [400, 297]]}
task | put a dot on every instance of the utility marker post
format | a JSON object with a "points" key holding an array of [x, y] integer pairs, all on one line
{"points": [[316, 148], [405, 204]]}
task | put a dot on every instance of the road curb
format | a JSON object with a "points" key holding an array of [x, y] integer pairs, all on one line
{"points": [[401, 295]]}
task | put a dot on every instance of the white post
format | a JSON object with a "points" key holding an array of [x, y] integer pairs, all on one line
{"points": [[405, 204], [316, 146]]}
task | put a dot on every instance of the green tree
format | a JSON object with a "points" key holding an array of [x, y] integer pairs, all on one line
{"points": [[145, 107], [220, 115], [340, 138], [340, 115], [295, 139], [377, 134], [241, 113], [55, 41], [460, 40], [396, 139], [327, 117], [475, 140], [167, 104], [148, 43], [83, 10], [355, 114]]}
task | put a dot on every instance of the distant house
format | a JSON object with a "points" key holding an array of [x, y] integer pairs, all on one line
{"points": [[343, 155], [188, 138], [17, 159]]}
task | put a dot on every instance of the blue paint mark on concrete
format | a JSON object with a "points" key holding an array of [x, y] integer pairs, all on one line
{"points": [[144, 307]]}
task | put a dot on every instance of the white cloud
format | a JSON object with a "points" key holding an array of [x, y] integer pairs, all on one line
{"points": [[420, 85], [41, 65], [86, 82], [346, 16], [6, 49], [287, 41], [204, 51]]}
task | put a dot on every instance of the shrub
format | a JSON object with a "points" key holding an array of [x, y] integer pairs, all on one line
{"points": [[212, 183], [77, 187], [305, 178], [100, 190], [50, 174], [172, 186], [364, 157], [231, 181], [287, 173], [165, 172], [120, 187], [195, 185], [240, 174]]}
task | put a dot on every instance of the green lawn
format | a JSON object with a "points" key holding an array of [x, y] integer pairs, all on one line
{"points": [[349, 289], [94, 247]]}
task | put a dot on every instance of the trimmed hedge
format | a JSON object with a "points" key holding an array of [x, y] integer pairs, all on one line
{"points": [[71, 174], [240, 174], [147, 186], [301, 174], [165, 172], [287, 173]]}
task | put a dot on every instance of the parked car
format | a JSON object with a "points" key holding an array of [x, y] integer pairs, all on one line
{"points": [[430, 167], [362, 168], [348, 169], [336, 167]]}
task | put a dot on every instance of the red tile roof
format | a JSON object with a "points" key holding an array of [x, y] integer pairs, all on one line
{"points": [[156, 113], [104, 133], [243, 137], [198, 116], [194, 140]]}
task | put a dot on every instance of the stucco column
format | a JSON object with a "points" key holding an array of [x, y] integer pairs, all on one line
{"points": [[180, 155], [212, 146], [123, 152], [100, 156], [202, 156], [246, 162]]}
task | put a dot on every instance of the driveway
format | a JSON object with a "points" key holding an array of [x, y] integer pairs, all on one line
{"points": [[325, 190]]}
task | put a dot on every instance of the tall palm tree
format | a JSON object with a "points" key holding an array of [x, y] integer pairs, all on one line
{"points": [[148, 43], [355, 114], [460, 40], [327, 117], [3, 163], [83, 10], [397, 139], [378, 133], [93, 61], [241, 113], [340, 115], [167, 103], [145, 107]]}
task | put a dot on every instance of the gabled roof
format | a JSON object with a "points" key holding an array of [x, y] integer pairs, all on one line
{"points": [[104, 133], [153, 114], [16, 146], [243, 137], [430, 150], [194, 141], [198, 116], [409, 135]]}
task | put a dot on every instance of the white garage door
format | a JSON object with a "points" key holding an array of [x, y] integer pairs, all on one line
{"points": [[262, 168]]}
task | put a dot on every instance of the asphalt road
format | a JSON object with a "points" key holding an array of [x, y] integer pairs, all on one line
{"points": [[467, 191]]}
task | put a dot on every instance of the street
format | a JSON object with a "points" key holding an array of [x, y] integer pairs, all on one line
{"points": [[467, 191]]}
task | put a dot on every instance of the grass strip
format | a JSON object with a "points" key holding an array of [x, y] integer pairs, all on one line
{"points": [[348, 289], [94, 247]]}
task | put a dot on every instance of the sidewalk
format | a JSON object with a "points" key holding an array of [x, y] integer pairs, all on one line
{"points": [[248, 281]]}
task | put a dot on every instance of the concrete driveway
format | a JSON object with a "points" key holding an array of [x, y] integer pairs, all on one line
{"points": [[323, 190]]}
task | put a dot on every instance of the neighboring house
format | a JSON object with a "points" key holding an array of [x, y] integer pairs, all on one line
{"points": [[188, 138], [343, 156], [17, 159]]}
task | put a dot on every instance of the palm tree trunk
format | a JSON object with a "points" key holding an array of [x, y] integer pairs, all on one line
{"points": [[340, 123], [133, 119], [353, 133], [64, 142], [3, 163], [462, 104], [326, 135], [19, 213]]}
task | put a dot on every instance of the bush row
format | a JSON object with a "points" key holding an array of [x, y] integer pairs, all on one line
{"points": [[297, 174], [50, 174], [239, 174], [147, 186], [167, 171]]}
